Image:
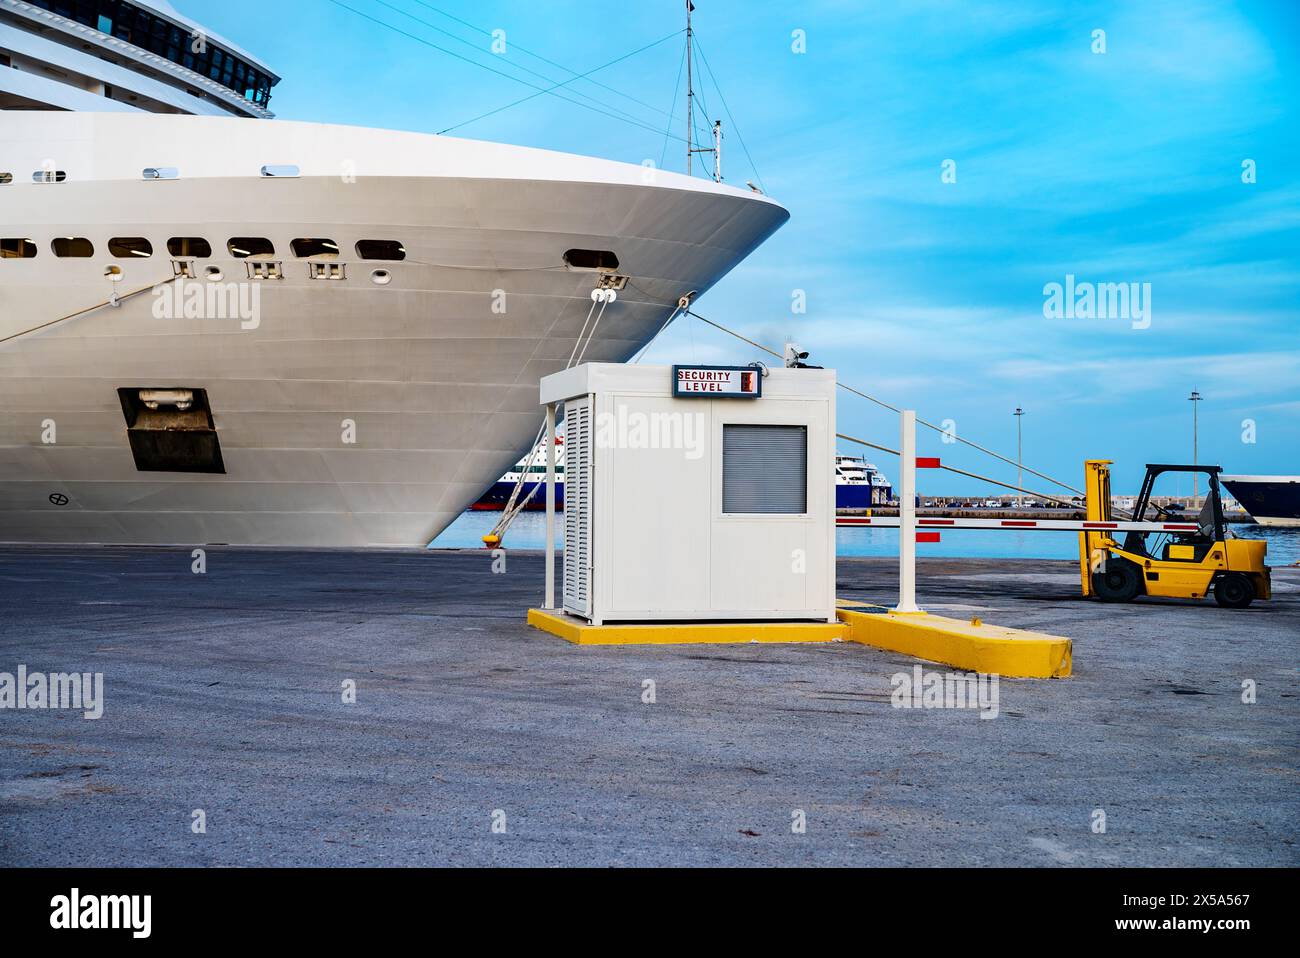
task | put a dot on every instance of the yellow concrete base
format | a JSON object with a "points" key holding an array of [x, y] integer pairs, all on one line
{"points": [[971, 646], [679, 633]]}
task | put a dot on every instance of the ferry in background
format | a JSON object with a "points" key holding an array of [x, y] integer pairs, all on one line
{"points": [[858, 483], [1270, 500], [534, 467]]}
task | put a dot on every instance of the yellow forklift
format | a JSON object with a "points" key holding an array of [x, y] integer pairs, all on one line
{"points": [[1171, 558]]}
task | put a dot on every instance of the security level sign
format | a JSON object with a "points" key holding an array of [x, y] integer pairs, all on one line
{"points": [[717, 382]]}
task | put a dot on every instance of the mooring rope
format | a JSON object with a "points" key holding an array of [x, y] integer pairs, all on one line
{"points": [[111, 301], [963, 472], [514, 506], [893, 408]]}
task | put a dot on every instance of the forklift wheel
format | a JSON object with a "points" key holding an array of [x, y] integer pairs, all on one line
{"points": [[1118, 582], [1234, 591]]}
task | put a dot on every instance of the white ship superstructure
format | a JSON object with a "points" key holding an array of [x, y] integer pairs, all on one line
{"points": [[124, 56], [224, 330]]}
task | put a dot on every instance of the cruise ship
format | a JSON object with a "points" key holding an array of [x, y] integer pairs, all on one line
{"points": [[220, 327]]}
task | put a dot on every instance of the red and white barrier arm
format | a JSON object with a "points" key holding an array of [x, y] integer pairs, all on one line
{"points": [[1047, 525]]}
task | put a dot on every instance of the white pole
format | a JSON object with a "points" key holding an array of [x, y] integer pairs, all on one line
{"points": [[550, 505], [907, 513], [1020, 482]]}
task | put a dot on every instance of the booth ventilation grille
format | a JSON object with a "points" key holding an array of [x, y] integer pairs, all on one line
{"points": [[577, 506]]}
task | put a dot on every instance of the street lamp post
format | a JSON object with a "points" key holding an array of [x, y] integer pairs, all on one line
{"points": [[1194, 398], [1020, 482]]}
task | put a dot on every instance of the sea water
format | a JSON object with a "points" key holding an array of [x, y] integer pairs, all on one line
{"points": [[528, 531]]}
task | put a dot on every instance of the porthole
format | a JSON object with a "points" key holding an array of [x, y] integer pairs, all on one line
{"points": [[49, 176], [72, 246], [189, 247], [130, 246], [599, 259], [160, 173], [250, 247], [381, 249], [213, 273], [113, 273], [6, 178], [322, 248], [381, 277], [283, 169], [17, 248]]}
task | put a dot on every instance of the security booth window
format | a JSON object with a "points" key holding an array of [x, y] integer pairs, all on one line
{"points": [[764, 469]]}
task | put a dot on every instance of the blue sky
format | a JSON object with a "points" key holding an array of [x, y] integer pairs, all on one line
{"points": [[1123, 166]]}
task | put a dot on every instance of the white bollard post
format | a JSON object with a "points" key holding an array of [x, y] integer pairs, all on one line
{"points": [[550, 506], [907, 513]]}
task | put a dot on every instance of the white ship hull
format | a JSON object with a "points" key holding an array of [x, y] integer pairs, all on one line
{"points": [[437, 369]]}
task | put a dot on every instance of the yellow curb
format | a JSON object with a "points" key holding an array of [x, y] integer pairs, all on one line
{"points": [[975, 647], [684, 633]]}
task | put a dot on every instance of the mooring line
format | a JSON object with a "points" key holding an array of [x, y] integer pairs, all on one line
{"points": [[112, 301]]}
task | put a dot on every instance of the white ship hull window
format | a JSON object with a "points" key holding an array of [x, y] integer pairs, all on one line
{"points": [[72, 246], [245, 247], [597, 259], [189, 247], [321, 248], [17, 248], [381, 249], [130, 246]]}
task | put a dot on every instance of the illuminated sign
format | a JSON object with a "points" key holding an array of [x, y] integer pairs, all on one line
{"points": [[717, 382]]}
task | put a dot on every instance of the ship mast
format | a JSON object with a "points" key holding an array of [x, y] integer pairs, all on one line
{"points": [[691, 150], [690, 91]]}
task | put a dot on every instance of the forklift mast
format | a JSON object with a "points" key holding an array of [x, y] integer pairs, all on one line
{"points": [[1096, 489]]}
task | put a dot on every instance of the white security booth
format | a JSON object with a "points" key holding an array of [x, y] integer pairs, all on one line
{"points": [[695, 493]]}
